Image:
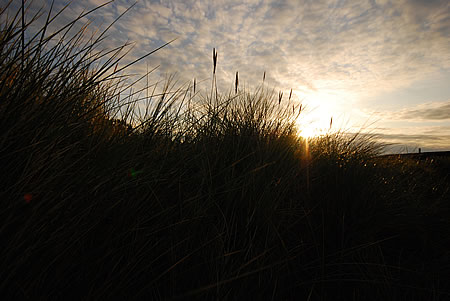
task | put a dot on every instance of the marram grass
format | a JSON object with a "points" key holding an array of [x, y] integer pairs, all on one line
{"points": [[191, 196]]}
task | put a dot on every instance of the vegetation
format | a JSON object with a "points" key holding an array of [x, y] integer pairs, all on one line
{"points": [[199, 196]]}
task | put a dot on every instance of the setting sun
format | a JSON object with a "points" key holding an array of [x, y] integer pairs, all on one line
{"points": [[316, 120], [308, 132]]}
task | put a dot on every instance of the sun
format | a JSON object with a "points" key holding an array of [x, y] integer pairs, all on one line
{"points": [[315, 124], [317, 119], [309, 132]]}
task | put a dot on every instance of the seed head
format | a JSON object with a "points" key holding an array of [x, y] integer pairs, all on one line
{"points": [[214, 60]]}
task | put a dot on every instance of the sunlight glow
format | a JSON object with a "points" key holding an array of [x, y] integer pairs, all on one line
{"points": [[321, 108], [309, 132], [314, 121]]}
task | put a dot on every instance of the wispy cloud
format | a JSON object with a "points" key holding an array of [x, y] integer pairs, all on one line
{"points": [[437, 111], [434, 138], [424, 125], [364, 45], [428, 111], [411, 143]]}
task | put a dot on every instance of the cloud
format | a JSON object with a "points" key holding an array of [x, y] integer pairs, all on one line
{"points": [[404, 139], [431, 111], [363, 46], [429, 138]]}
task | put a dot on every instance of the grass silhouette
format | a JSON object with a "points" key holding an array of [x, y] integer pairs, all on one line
{"points": [[199, 196]]}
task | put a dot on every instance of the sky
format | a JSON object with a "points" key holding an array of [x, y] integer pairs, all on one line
{"points": [[381, 66]]}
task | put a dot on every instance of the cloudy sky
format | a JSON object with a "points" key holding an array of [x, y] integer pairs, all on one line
{"points": [[383, 65]]}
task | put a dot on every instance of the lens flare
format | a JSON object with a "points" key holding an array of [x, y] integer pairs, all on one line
{"points": [[132, 173], [28, 197]]}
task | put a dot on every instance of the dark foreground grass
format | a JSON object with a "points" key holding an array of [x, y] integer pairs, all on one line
{"points": [[211, 197]]}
